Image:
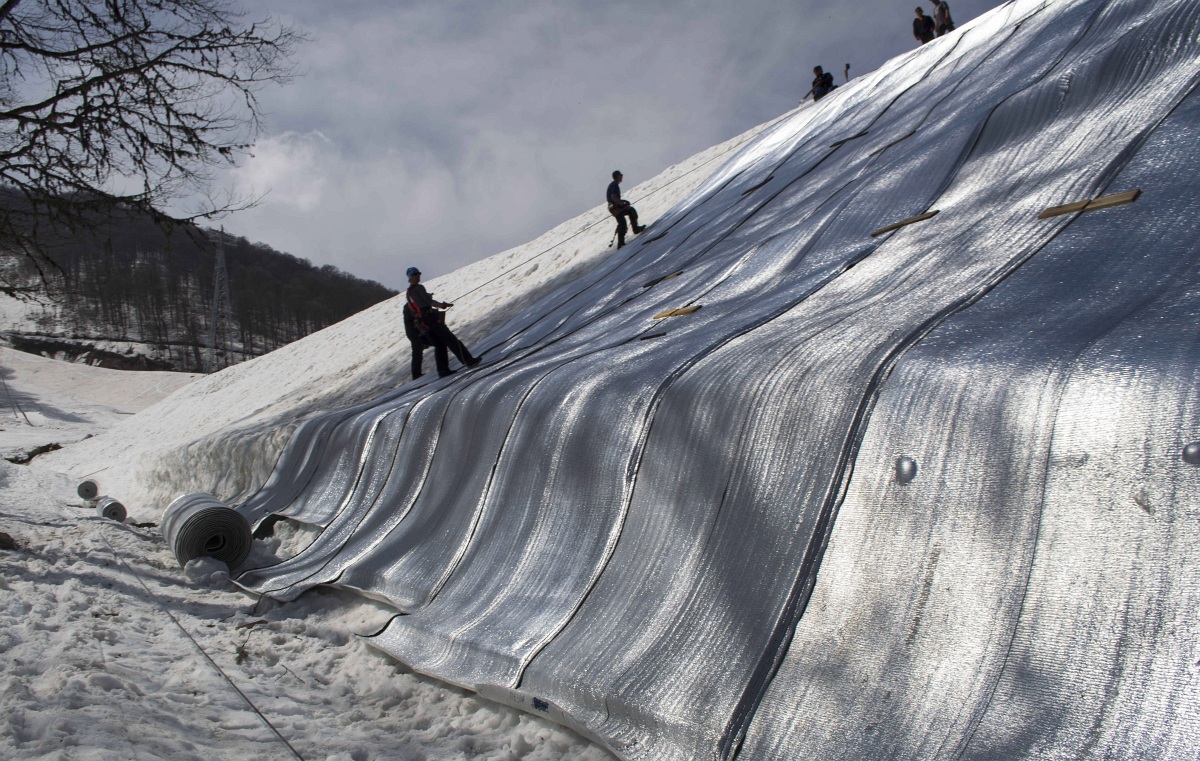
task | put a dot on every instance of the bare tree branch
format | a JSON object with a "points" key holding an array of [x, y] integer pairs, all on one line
{"points": [[7, 8], [124, 104]]}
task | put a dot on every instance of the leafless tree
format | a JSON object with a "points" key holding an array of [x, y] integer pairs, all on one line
{"points": [[124, 106]]}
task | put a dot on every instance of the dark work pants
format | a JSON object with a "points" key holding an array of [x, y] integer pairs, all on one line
{"points": [[443, 339], [418, 356], [620, 214]]}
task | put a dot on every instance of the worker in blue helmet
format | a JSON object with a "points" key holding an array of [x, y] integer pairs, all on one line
{"points": [[425, 325]]}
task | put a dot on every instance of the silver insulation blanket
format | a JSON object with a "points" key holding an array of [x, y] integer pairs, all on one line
{"points": [[88, 490], [110, 509], [199, 525], [697, 545]]}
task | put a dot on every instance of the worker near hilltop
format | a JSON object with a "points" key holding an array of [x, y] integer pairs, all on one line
{"points": [[425, 325], [941, 17], [823, 82], [620, 209], [923, 27]]}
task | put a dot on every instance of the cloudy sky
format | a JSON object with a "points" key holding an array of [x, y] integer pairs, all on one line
{"points": [[438, 132]]}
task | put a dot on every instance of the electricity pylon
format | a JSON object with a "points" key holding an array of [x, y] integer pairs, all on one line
{"points": [[222, 312]]}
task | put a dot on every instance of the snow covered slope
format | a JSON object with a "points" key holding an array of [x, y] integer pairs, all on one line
{"points": [[922, 493], [47, 402]]}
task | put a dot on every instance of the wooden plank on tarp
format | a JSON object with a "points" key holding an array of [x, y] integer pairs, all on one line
{"points": [[658, 280], [1058, 211], [676, 312], [1116, 199], [1094, 204], [904, 223]]}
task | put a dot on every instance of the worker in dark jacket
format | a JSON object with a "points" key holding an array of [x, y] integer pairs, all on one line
{"points": [[418, 341], [430, 324], [922, 27], [620, 209], [822, 83]]}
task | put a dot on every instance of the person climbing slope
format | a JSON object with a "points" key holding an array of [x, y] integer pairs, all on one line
{"points": [[430, 324], [620, 209]]}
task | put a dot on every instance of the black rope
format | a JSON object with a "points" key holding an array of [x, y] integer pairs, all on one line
{"points": [[199, 649]]}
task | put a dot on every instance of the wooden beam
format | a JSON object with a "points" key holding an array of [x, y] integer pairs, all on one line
{"points": [[1058, 211], [658, 280], [1103, 202], [904, 223], [676, 312], [1116, 199]]}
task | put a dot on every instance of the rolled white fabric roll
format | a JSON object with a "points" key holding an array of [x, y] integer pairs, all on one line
{"points": [[200, 525], [107, 507], [88, 490]]}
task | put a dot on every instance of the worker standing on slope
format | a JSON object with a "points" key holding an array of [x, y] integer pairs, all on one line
{"points": [[417, 340], [430, 325], [941, 18], [922, 27], [822, 83], [620, 209]]}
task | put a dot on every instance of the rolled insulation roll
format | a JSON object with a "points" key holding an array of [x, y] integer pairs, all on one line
{"points": [[88, 490], [200, 525], [107, 507]]}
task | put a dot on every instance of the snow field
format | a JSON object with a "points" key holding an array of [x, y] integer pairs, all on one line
{"points": [[94, 667]]}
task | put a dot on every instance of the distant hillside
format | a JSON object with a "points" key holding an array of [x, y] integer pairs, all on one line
{"points": [[135, 295]]}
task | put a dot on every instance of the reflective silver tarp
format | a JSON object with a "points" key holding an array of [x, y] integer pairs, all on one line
{"points": [[686, 537]]}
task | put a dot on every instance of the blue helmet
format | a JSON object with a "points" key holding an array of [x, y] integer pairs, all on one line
{"points": [[412, 271]]}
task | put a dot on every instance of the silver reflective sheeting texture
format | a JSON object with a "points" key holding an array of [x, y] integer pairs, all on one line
{"points": [[110, 509], [198, 525], [922, 495]]}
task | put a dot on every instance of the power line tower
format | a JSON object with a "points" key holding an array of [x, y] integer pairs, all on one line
{"points": [[222, 313]]}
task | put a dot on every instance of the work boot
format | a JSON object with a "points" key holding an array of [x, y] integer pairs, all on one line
{"points": [[444, 374], [638, 228], [473, 361]]}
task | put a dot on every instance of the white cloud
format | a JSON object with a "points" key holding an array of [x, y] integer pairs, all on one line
{"points": [[291, 167]]}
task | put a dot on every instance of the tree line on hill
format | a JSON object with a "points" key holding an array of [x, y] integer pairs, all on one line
{"points": [[130, 279]]}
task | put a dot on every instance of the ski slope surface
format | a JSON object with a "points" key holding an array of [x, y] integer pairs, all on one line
{"points": [[911, 493]]}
